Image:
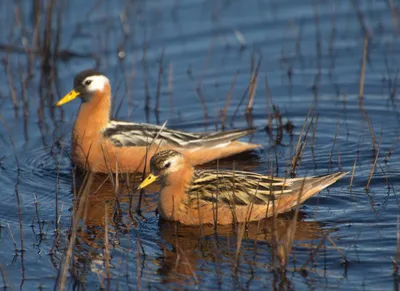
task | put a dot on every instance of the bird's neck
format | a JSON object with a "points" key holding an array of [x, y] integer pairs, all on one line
{"points": [[94, 115], [174, 188]]}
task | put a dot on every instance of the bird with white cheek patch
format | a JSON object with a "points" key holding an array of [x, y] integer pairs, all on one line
{"points": [[100, 144], [194, 197]]}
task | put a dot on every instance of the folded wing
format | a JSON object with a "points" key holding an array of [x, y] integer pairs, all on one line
{"points": [[124, 134], [245, 188]]}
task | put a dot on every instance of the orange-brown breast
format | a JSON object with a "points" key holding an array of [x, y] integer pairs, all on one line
{"points": [[172, 201]]}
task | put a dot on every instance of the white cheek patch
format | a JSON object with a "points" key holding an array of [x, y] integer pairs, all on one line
{"points": [[176, 164], [97, 84]]}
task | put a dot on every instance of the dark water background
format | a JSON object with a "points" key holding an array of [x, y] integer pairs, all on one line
{"points": [[310, 53]]}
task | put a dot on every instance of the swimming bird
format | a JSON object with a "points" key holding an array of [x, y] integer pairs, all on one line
{"points": [[195, 197], [100, 144]]}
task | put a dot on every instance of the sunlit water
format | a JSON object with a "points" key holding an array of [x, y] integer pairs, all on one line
{"points": [[311, 55]]}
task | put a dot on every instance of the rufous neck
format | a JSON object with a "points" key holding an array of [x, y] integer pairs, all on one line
{"points": [[95, 113], [180, 181]]}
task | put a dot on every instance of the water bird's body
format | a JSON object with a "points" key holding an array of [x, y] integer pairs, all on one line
{"points": [[193, 196], [100, 144]]}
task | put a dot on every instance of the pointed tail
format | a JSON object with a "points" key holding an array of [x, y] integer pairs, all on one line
{"points": [[308, 187]]}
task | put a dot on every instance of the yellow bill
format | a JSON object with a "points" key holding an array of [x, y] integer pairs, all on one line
{"points": [[67, 98], [149, 180]]}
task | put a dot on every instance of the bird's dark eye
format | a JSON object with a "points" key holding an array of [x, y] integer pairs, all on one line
{"points": [[167, 165], [87, 82]]}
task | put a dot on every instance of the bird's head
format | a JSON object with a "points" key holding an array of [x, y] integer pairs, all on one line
{"points": [[87, 84], [162, 165]]}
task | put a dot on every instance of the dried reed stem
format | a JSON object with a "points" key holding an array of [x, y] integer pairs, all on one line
{"points": [[389, 153], [145, 78], [333, 145], [397, 257], [371, 173], [159, 79], [228, 100], [337, 249], [269, 103], [300, 146], [362, 73], [252, 85], [171, 86], [371, 130], [106, 243], [6, 283], [352, 174]]}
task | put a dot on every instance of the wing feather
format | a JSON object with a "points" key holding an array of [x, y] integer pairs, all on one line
{"points": [[142, 134], [237, 187]]}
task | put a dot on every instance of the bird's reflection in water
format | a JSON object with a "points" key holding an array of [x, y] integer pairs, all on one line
{"points": [[102, 211], [186, 249]]}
